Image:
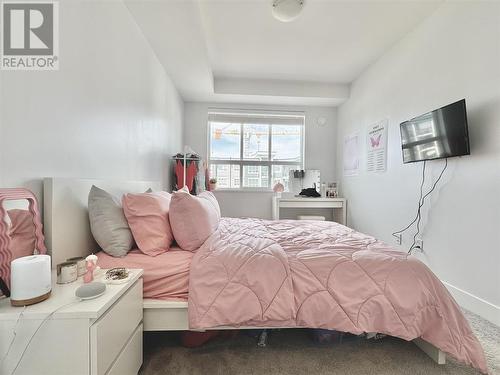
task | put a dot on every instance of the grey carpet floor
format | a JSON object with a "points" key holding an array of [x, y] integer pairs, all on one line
{"points": [[292, 352]]}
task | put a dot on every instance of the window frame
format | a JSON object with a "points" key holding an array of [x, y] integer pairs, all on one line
{"points": [[269, 163]]}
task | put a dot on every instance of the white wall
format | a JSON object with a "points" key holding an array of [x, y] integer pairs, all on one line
{"points": [[109, 112], [320, 143], [453, 54]]}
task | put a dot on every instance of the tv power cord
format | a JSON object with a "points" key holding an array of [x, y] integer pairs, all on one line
{"points": [[421, 202]]}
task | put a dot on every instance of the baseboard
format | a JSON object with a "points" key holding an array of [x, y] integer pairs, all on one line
{"points": [[475, 304]]}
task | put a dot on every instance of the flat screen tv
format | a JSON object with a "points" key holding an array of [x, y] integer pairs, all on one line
{"points": [[441, 133]]}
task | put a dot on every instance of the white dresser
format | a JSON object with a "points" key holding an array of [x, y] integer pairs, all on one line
{"points": [[94, 337]]}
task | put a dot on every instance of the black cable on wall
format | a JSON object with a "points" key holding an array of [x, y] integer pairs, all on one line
{"points": [[421, 202]]}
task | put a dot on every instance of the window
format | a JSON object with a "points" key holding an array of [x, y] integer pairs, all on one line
{"points": [[254, 150]]}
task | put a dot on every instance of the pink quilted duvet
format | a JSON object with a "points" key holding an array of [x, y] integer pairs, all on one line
{"points": [[288, 273]]}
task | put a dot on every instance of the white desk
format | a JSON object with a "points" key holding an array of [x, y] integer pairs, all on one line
{"points": [[336, 204]]}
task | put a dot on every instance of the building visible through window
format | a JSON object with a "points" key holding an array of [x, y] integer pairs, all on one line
{"points": [[254, 150]]}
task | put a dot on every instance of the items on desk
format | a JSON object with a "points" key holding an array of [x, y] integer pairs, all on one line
{"points": [[302, 179], [323, 189], [30, 280], [310, 192], [91, 267], [90, 290], [331, 191], [80, 265], [67, 272], [118, 275], [278, 189], [299, 173]]}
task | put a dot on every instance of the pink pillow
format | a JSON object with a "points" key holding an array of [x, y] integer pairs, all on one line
{"points": [[193, 218], [148, 217]]}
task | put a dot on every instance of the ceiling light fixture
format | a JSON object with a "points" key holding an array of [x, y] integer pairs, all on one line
{"points": [[287, 10]]}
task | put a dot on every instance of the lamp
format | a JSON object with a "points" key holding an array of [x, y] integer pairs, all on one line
{"points": [[287, 10]]}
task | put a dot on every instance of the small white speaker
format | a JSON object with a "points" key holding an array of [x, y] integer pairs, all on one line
{"points": [[91, 290], [30, 280]]}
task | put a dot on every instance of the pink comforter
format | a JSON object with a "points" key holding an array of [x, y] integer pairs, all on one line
{"points": [[289, 273]]}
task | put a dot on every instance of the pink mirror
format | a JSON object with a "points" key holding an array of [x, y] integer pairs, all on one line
{"points": [[20, 230]]}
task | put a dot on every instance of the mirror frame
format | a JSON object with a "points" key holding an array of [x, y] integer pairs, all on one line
{"points": [[6, 255]]}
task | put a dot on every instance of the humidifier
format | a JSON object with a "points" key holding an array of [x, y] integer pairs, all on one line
{"points": [[30, 280]]}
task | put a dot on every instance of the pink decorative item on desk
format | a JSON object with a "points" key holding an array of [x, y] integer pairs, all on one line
{"points": [[278, 189], [91, 267]]}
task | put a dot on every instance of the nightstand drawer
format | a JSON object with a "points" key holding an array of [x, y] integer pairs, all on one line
{"points": [[111, 332], [130, 359]]}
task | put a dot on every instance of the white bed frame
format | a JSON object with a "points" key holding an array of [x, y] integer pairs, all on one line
{"points": [[67, 235]]}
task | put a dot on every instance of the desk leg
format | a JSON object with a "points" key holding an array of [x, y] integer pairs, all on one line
{"points": [[276, 209], [341, 215]]}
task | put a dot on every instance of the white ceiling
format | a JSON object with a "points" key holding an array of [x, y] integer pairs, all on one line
{"points": [[235, 51]]}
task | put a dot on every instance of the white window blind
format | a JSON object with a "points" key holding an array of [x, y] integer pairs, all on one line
{"points": [[254, 150]]}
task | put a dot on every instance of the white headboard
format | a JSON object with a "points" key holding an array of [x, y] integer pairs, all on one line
{"points": [[66, 221]]}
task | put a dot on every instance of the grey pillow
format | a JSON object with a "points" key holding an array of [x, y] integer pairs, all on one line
{"points": [[108, 223]]}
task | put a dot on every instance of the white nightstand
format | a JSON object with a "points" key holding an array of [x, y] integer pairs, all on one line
{"points": [[94, 337]]}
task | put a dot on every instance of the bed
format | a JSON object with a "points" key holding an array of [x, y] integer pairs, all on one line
{"points": [[222, 295]]}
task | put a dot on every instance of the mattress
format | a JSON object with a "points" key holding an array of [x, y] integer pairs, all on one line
{"points": [[166, 276]]}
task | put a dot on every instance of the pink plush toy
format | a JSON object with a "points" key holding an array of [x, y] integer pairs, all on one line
{"points": [[91, 266]]}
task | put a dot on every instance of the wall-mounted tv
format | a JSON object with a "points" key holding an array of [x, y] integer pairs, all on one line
{"points": [[441, 133]]}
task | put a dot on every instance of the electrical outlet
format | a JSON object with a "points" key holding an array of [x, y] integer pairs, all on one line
{"points": [[419, 245], [399, 238]]}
